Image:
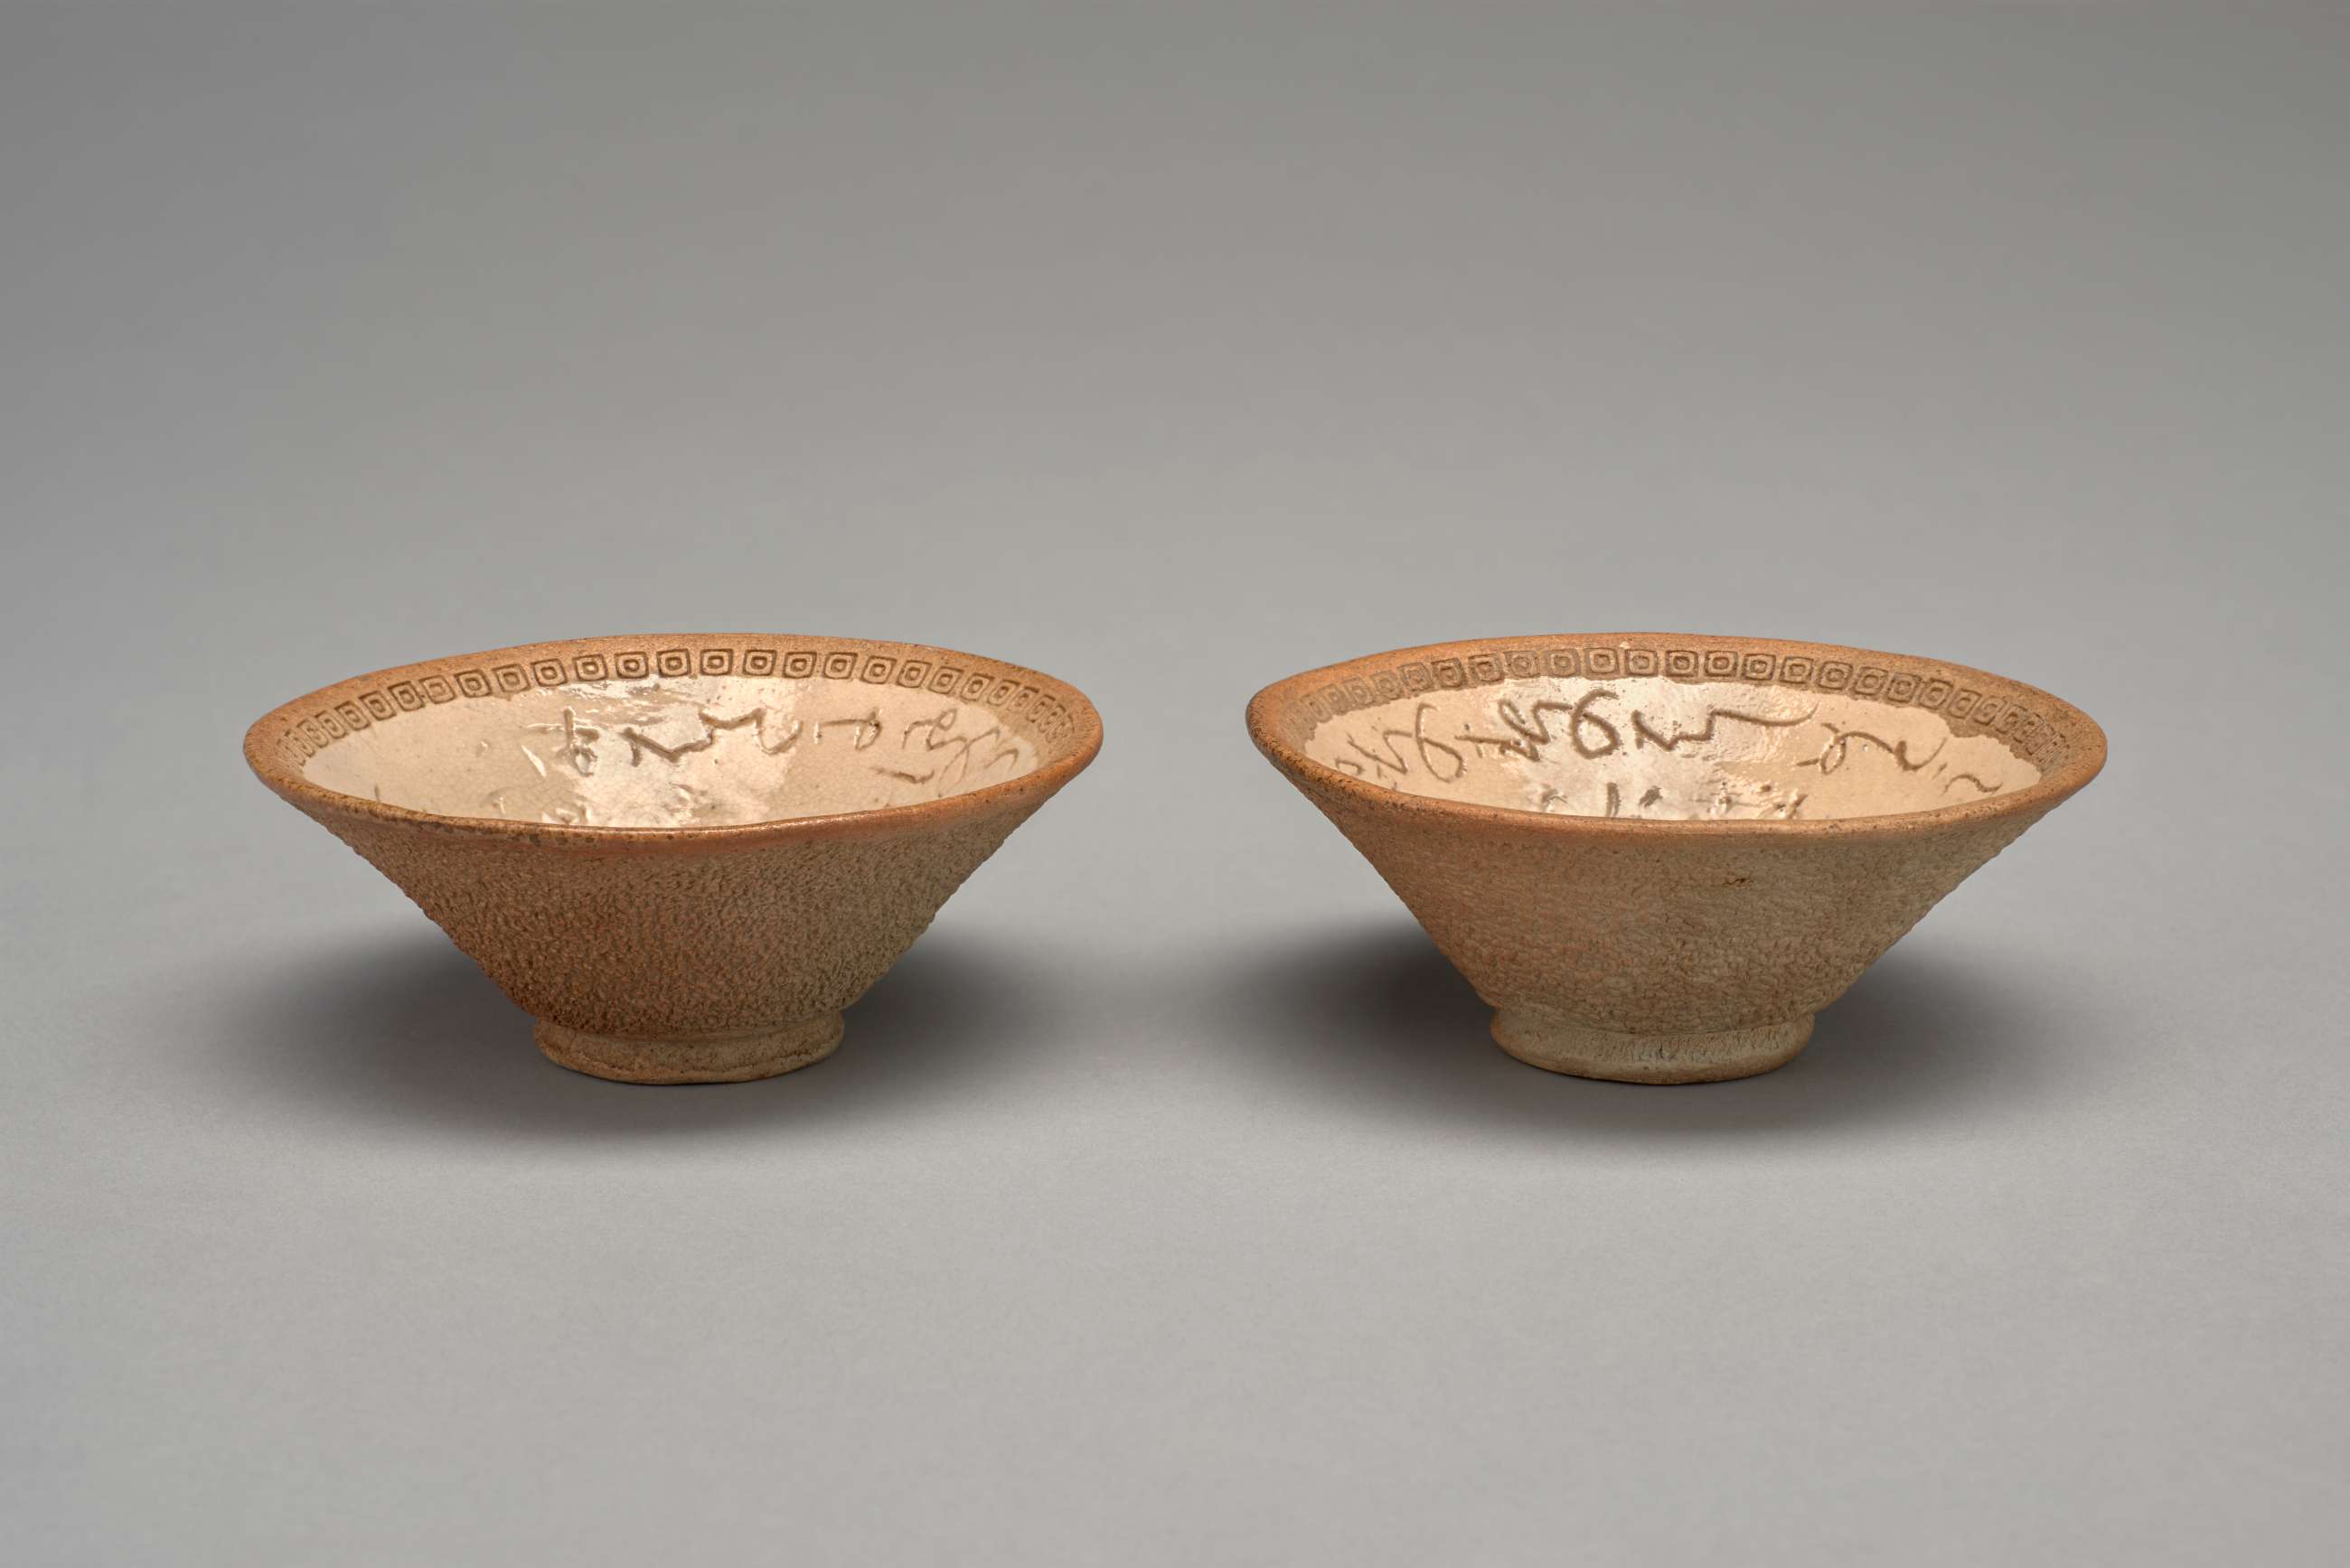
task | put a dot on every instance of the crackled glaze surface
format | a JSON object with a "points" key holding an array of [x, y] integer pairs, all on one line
{"points": [[689, 750], [1653, 747], [681, 731]]}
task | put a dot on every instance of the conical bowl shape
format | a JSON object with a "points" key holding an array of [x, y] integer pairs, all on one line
{"points": [[1657, 856], [683, 855]]}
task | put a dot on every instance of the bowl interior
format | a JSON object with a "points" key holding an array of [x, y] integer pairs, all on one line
{"points": [[1676, 731], [609, 734]]}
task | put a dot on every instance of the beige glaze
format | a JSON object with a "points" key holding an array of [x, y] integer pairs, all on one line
{"points": [[1657, 855], [1654, 747], [683, 855], [696, 751]]}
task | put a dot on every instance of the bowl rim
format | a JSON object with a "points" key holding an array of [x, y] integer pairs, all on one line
{"points": [[270, 759], [2085, 742]]}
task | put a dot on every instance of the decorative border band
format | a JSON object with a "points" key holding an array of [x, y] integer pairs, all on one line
{"points": [[1008, 696], [2018, 728]]}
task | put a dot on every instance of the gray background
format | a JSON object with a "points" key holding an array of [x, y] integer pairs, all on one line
{"points": [[1168, 1205]]}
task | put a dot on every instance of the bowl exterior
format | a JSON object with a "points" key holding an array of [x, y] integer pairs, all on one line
{"points": [[1661, 935], [691, 954], [1666, 951], [681, 942]]}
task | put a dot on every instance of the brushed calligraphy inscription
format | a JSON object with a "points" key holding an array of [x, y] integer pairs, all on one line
{"points": [[1646, 746]]}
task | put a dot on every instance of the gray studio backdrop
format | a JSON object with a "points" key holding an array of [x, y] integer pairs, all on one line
{"points": [[1168, 1204]]}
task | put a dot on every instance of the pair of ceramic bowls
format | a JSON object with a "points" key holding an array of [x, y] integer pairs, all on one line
{"points": [[1655, 856]]}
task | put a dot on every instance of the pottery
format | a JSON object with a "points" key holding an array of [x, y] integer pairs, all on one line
{"points": [[1657, 857], [683, 856]]}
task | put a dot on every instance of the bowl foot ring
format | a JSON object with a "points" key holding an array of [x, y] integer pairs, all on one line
{"points": [[1551, 1043], [731, 1058]]}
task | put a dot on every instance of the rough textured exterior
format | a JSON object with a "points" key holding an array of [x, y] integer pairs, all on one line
{"points": [[669, 955], [1664, 950], [713, 942]]}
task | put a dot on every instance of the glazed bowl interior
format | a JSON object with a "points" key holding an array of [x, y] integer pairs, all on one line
{"points": [[662, 734], [1675, 729]]}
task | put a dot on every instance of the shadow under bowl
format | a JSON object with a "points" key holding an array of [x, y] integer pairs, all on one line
{"points": [[1657, 856], [683, 855]]}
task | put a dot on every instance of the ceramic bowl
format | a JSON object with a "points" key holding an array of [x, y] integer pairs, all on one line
{"points": [[1657, 855], [683, 856]]}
